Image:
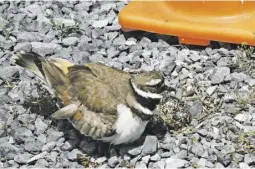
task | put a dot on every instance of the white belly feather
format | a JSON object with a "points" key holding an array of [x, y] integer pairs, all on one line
{"points": [[128, 127]]}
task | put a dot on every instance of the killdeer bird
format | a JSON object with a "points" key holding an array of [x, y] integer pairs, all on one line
{"points": [[104, 103]]}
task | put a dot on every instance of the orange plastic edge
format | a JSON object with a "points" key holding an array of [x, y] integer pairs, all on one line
{"points": [[194, 22]]}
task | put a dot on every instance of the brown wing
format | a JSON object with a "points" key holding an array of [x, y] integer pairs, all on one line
{"points": [[93, 90], [89, 123], [93, 124]]}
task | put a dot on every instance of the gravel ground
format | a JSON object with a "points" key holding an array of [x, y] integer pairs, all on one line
{"points": [[215, 86]]}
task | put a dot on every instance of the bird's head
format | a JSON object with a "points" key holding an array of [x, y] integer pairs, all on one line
{"points": [[148, 84]]}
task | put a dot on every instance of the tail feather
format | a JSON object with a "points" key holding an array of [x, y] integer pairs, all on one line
{"points": [[26, 60], [47, 71]]}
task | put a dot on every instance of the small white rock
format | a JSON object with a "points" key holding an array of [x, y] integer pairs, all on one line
{"points": [[146, 54], [146, 159], [174, 74], [130, 42], [244, 166], [155, 157], [49, 146], [11, 140], [100, 23], [101, 160], [68, 22], [241, 117], [251, 82], [70, 41], [210, 90]]}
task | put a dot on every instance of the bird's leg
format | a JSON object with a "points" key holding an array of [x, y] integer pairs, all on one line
{"points": [[107, 149]]}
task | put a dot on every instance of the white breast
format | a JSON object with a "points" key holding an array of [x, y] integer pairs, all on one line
{"points": [[128, 127]]}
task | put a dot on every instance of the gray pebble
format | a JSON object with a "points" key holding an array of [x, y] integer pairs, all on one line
{"points": [[101, 160], [8, 72], [146, 159], [8, 150], [22, 158], [42, 138], [155, 157], [40, 126], [196, 109], [45, 48], [197, 149], [182, 154], [113, 161], [135, 151], [166, 154], [23, 46], [249, 159], [229, 97], [49, 146], [5, 119], [215, 57], [168, 146], [66, 146], [112, 52], [209, 164], [205, 154], [60, 142], [26, 118], [202, 162], [41, 163], [70, 41], [66, 22], [228, 149], [220, 74], [150, 145], [174, 162], [52, 157], [134, 160], [53, 135], [22, 134], [96, 58], [120, 40], [100, 23], [28, 37], [224, 159], [218, 165], [159, 165], [239, 157], [33, 146], [195, 56], [211, 90], [251, 82], [167, 65], [141, 165], [73, 154], [239, 76], [202, 132], [233, 165], [244, 166]]}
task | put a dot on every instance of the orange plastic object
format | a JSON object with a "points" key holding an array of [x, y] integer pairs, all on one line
{"points": [[194, 22]]}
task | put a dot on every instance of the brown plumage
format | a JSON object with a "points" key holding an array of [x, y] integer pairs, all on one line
{"points": [[94, 94]]}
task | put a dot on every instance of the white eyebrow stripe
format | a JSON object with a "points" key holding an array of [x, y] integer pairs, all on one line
{"points": [[153, 82], [145, 94]]}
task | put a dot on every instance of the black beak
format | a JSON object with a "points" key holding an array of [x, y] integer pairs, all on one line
{"points": [[169, 88], [164, 88]]}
